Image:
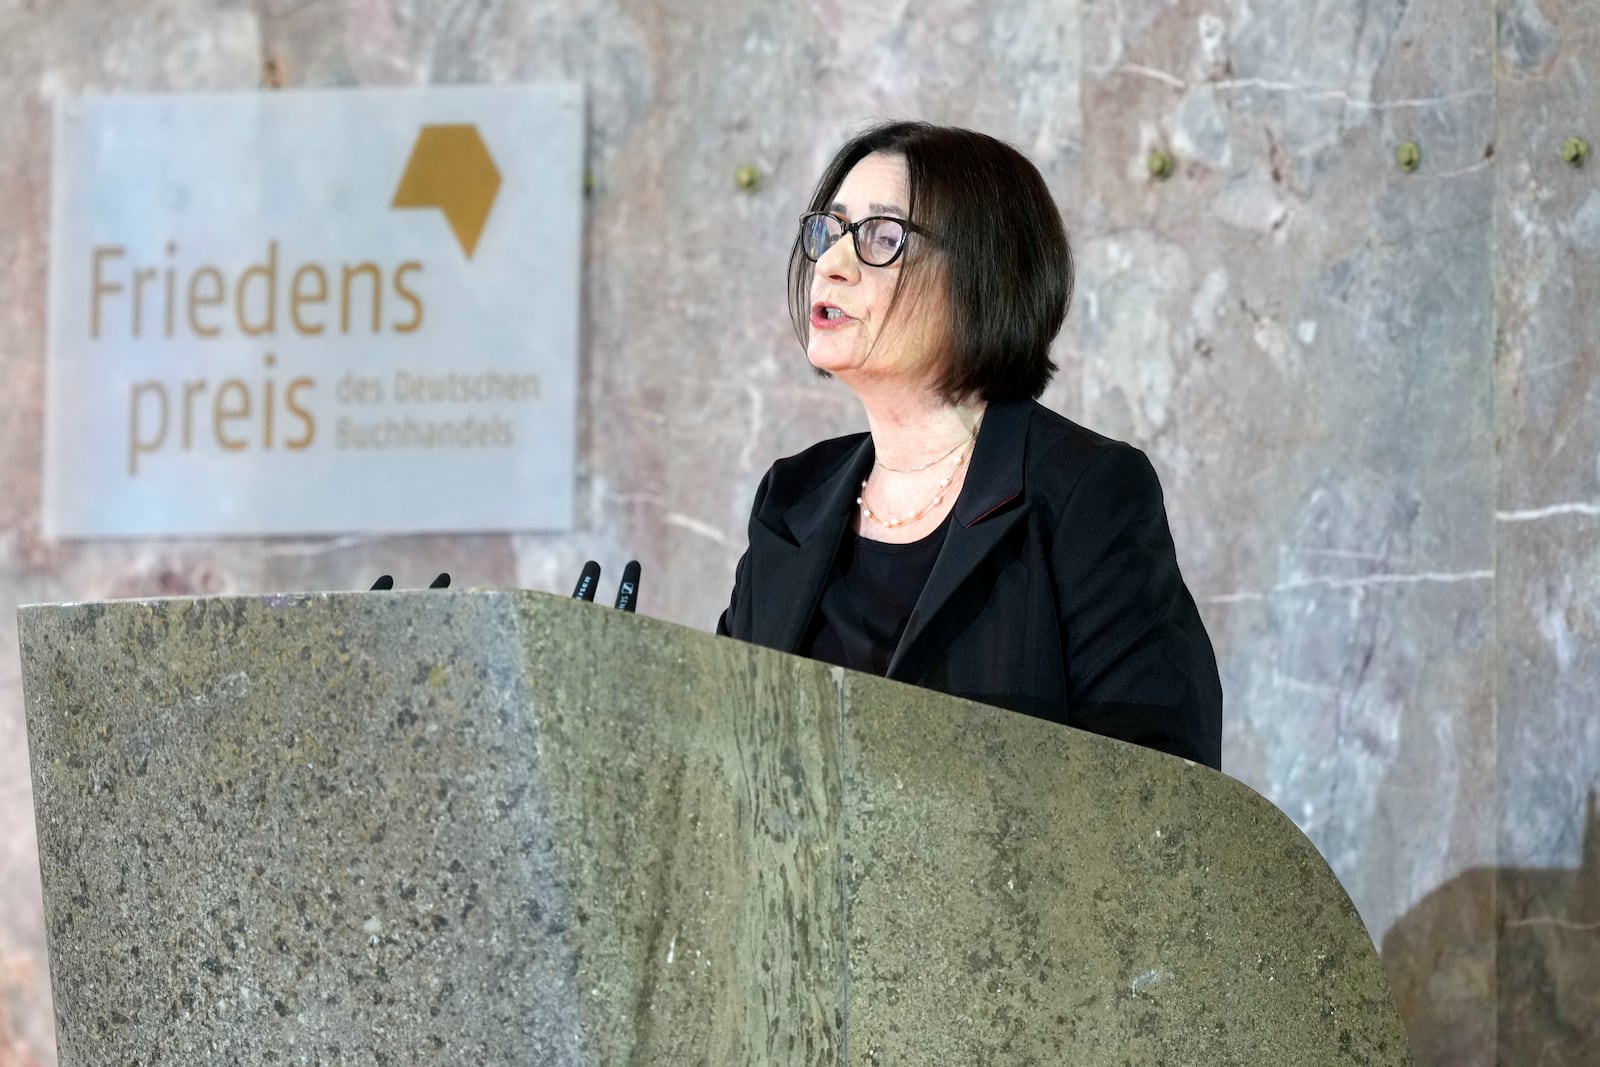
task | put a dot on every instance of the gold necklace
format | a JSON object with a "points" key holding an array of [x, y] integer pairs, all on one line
{"points": [[931, 462], [938, 494]]}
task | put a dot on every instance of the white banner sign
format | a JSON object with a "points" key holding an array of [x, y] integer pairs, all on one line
{"points": [[314, 312]]}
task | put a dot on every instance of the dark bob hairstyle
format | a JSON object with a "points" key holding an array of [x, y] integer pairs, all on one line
{"points": [[999, 239]]}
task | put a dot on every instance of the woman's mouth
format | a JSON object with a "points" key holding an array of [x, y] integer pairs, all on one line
{"points": [[827, 317]]}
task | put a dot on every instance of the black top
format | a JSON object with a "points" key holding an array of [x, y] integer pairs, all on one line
{"points": [[868, 600]]}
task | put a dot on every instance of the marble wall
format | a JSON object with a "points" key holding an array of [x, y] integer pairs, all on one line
{"points": [[1373, 395]]}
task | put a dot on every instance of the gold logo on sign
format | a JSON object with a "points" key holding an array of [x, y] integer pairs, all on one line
{"points": [[451, 169]]}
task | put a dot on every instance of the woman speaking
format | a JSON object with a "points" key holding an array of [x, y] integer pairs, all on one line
{"points": [[971, 541]]}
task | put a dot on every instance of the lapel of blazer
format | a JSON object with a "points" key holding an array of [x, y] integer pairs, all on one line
{"points": [[803, 543], [985, 511]]}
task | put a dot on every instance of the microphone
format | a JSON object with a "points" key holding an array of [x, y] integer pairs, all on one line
{"points": [[587, 581], [441, 582], [385, 581], [628, 589]]}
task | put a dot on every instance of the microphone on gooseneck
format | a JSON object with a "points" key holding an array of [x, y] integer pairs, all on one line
{"points": [[628, 589], [587, 582]]}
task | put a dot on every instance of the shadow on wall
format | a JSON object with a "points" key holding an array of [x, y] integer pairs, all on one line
{"points": [[1502, 965]]}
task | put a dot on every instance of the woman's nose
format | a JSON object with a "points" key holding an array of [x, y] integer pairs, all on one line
{"points": [[839, 261]]}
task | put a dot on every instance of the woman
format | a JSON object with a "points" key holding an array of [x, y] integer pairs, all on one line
{"points": [[972, 541]]}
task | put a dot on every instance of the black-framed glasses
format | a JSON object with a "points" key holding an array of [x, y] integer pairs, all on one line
{"points": [[879, 239]]}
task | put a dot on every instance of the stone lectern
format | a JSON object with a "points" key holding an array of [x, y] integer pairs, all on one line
{"points": [[508, 828]]}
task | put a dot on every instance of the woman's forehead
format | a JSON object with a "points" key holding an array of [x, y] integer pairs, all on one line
{"points": [[877, 185]]}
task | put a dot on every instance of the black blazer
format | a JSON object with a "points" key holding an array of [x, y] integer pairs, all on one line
{"points": [[1056, 593]]}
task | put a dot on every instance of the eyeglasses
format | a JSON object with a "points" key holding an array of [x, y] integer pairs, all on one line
{"points": [[879, 239]]}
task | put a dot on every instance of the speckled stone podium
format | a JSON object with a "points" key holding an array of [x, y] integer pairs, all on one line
{"points": [[507, 828]]}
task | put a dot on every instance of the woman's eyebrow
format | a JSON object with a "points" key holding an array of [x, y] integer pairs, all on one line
{"points": [[838, 208]]}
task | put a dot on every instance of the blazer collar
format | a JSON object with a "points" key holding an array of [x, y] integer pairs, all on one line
{"points": [[823, 512], [804, 546], [986, 509], [994, 474]]}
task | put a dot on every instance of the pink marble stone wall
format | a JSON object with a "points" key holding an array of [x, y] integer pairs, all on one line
{"points": [[1373, 396]]}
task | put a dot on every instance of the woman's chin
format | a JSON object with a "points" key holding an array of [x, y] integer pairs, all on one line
{"points": [[828, 358]]}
